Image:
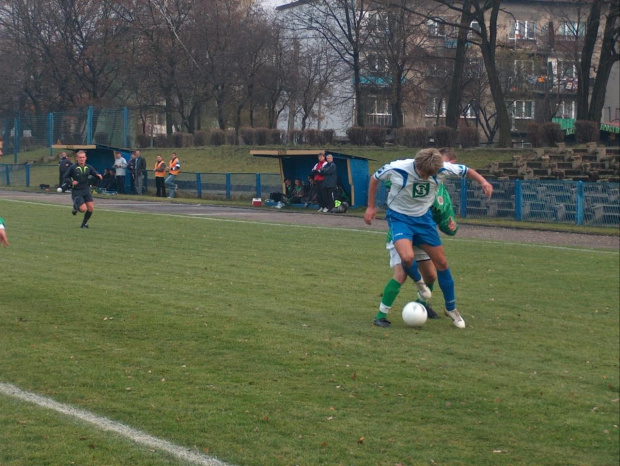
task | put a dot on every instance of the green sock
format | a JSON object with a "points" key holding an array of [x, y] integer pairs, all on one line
{"points": [[390, 292]]}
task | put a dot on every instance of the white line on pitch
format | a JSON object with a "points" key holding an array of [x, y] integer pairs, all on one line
{"points": [[111, 426]]}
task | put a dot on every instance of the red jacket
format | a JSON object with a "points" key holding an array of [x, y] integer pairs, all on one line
{"points": [[316, 168]]}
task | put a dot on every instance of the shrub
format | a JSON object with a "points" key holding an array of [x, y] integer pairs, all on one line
{"points": [[200, 138], [470, 137], [230, 136], [261, 136], [586, 131], [357, 135], [314, 137], [444, 136], [143, 140], [217, 137], [411, 137], [377, 135], [328, 136], [296, 137], [275, 136], [247, 135], [163, 140], [534, 135], [182, 139], [551, 134]]}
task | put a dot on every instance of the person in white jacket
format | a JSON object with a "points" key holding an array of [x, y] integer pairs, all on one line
{"points": [[120, 166]]}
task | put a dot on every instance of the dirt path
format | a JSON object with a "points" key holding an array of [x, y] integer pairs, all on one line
{"points": [[148, 204]]}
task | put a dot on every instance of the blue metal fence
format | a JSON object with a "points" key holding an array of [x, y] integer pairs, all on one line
{"points": [[570, 202]]}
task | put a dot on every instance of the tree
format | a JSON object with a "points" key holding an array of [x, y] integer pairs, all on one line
{"points": [[342, 25]]}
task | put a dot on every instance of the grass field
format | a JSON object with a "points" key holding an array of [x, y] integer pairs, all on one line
{"points": [[252, 342]]}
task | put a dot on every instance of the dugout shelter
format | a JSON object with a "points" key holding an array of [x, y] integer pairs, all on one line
{"points": [[352, 170], [99, 156]]}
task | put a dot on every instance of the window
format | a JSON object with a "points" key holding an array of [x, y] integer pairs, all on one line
{"points": [[436, 27], [523, 109], [566, 110], [474, 26], [566, 70], [435, 106], [470, 110], [522, 30], [379, 113], [571, 30]]}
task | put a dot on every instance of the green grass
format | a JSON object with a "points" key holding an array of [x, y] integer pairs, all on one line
{"points": [[253, 342]]}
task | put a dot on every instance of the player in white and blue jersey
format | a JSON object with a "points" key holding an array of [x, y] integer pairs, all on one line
{"points": [[414, 183]]}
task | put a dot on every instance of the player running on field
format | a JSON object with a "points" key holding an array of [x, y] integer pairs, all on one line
{"points": [[77, 178], [414, 183]]}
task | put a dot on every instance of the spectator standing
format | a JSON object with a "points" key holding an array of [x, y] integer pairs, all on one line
{"points": [[140, 170], [318, 178], [77, 177], [3, 238], [120, 165], [173, 170], [330, 182], [63, 165], [160, 176], [131, 166]]}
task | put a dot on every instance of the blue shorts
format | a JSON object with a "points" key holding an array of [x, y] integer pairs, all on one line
{"points": [[419, 230]]}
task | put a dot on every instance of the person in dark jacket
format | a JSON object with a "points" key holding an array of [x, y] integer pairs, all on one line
{"points": [[330, 182], [63, 165], [77, 176]]}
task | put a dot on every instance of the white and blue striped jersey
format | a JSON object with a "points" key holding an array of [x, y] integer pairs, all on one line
{"points": [[410, 194]]}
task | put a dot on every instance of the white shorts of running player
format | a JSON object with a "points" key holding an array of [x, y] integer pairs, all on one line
{"points": [[418, 253]]}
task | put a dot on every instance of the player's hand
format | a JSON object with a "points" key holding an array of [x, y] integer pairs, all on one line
{"points": [[370, 215], [487, 188], [451, 224], [3, 239], [74, 183]]}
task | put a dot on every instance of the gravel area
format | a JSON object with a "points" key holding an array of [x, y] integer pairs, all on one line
{"points": [[304, 217]]}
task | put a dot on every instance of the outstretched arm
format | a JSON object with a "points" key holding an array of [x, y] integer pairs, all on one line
{"points": [[484, 184]]}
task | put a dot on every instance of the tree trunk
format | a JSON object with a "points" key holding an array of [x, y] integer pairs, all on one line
{"points": [[454, 99], [359, 104], [583, 70], [606, 61]]}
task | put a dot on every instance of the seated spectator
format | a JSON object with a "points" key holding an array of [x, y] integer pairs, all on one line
{"points": [[104, 183], [312, 192], [288, 189], [298, 192]]}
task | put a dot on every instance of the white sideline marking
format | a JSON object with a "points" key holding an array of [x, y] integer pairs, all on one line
{"points": [[111, 426], [217, 217]]}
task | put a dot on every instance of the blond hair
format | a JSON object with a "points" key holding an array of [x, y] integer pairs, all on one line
{"points": [[428, 161]]}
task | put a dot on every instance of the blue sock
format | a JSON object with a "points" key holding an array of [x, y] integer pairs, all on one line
{"points": [[446, 283], [413, 271]]}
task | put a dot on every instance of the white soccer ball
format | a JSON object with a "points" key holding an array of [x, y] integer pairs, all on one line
{"points": [[414, 314], [59, 190]]}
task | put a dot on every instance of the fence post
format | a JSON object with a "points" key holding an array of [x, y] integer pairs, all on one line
{"points": [[518, 200], [258, 186], [125, 127], [50, 131], [580, 204], [8, 177], [228, 187], [27, 167], [463, 198], [199, 185], [89, 126]]}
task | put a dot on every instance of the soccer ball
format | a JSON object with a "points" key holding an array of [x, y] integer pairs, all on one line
{"points": [[59, 190], [414, 314]]}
